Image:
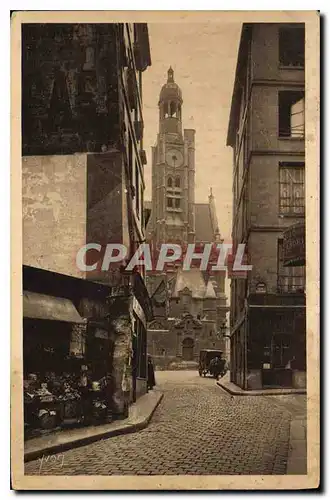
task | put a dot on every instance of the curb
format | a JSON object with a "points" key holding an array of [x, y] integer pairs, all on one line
{"points": [[125, 428], [297, 452], [261, 392]]}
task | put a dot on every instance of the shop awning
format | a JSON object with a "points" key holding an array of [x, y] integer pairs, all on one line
{"points": [[39, 306]]}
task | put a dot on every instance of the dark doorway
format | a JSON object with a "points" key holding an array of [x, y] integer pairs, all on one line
{"points": [[188, 349], [278, 372]]}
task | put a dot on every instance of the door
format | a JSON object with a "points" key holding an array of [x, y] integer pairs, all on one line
{"points": [[188, 349], [279, 373]]}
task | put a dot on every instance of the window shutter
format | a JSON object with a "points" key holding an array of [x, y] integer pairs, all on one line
{"points": [[297, 119]]}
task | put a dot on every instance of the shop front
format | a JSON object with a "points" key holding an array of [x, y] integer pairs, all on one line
{"points": [[49, 365], [85, 349], [276, 355], [268, 344], [67, 353], [268, 347]]}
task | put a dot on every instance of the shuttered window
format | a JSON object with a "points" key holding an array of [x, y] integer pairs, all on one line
{"points": [[289, 278], [292, 189]]}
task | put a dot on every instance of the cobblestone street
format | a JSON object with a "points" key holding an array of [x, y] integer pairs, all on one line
{"points": [[197, 429]]}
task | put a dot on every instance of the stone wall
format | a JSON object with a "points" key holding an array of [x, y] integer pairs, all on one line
{"points": [[54, 211], [70, 87], [166, 346], [265, 55]]}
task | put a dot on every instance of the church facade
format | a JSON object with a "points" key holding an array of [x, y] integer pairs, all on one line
{"points": [[189, 305]]}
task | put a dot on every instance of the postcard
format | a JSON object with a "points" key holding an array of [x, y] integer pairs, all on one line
{"points": [[165, 237]]}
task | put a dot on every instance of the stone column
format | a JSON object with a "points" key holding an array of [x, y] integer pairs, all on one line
{"points": [[120, 320]]}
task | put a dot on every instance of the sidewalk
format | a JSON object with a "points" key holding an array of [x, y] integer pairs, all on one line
{"points": [[297, 459], [297, 454], [233, 389], [140, 414]]}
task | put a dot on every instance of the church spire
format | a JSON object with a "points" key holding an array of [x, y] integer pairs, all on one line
{"points": [[170, 75], [170, 102], [213, 214]]}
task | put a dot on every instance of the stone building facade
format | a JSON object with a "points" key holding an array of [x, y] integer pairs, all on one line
{"points": [[266, 132], [189, 305], [83, 175]]}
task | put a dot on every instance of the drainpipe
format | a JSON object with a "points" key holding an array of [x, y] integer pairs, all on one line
{"points": [[246, 326]]}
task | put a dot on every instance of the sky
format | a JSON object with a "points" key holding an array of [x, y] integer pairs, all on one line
{"points": [[203, 57]]}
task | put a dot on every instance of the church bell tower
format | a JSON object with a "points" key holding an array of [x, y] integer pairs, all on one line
{"points": [[173, 171]]}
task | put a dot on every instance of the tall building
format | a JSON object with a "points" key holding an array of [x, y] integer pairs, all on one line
{"points": [[189, 306], [83, 182], [266, 132]]}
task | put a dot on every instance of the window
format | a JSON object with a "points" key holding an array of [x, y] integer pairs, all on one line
{"points": [[292, 46], [177, 182], [172, 109], [291, 114], [289, 278], [169, 182], [179, 112], [177, 202], [186, 304], [292, 189], [170, 202]]}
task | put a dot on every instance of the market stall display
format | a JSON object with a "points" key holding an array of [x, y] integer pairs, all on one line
{"points": [[56, 401]]}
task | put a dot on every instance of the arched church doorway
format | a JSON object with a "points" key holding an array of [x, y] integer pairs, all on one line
{"points": [[188, 349]]}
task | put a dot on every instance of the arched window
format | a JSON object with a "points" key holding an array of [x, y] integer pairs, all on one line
{"points": [[170, 182], [172, 109], [179, 112], [162, 112], [177, 182], [165, 110]]}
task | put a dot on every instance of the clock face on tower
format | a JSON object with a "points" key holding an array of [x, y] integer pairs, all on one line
{"points": [[174, 158]]}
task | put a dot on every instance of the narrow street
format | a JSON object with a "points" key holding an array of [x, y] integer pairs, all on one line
{"points": [[197, 429]]}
